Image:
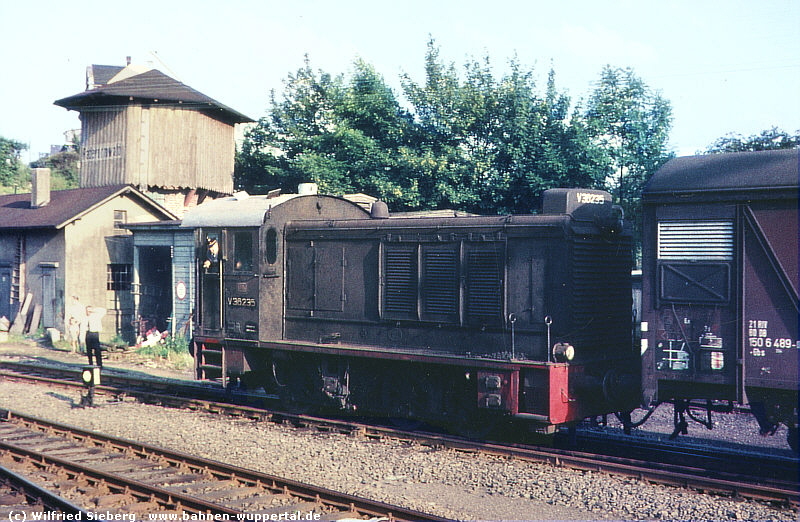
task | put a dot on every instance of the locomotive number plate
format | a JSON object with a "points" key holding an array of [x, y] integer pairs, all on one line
{"points": [[242, 301], [588, 197]]}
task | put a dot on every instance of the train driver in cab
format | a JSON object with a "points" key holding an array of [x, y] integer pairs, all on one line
{"points": [[212, 252]]}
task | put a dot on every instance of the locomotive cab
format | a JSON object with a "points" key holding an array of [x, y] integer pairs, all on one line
{"points": [[240, 272]]}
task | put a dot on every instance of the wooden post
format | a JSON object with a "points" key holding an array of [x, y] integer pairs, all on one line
{"points": [[36, 318], [22, 317]]}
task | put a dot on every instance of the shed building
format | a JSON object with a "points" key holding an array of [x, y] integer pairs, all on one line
{"points": [[54, 245]]}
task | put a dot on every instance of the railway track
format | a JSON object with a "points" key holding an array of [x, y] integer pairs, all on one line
{"points": [[737, 474], [119, 479], [21, 499]]}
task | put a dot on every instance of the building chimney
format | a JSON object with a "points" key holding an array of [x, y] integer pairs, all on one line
{"points": [[90, 78], [40, 187]]}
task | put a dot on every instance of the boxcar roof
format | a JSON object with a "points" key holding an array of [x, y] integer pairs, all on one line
{"points": [[736, 171], [153, 87]]}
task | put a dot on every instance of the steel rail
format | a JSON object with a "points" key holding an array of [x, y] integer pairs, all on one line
{"points": [[49, 500], [341, 501], [677, 475]]}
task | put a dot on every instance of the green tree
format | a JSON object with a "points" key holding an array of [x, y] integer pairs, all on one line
{"points": [[13, 172], [630, 123], [496, 143], [440, 155], [543, 145], [65, 173], [272, 152], [769, 139], [345, 136], [480, 143]]}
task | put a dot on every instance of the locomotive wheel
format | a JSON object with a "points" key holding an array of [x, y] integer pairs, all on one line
{"points": [[293, 387], [295, 403], [405, 424], [791, 437], [476, 425], [401, 394]]}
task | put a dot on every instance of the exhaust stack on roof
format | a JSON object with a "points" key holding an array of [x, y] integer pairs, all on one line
{"points": [[307, 189]]}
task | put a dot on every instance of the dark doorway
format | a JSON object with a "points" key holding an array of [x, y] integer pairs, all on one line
{"points": [[49, 297], [5, 292], [155, 288]]}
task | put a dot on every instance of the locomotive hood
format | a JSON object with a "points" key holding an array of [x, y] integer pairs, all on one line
{"points": [[244, 210], [239, 210]]}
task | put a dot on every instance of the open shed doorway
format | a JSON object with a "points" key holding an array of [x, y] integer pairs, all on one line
{"points": [[155, 289]]}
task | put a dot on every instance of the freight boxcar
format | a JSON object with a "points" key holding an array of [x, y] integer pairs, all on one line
{"points": [[720, 264]]}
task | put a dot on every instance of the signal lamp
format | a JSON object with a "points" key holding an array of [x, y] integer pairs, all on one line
{"points": [[563, 352]]}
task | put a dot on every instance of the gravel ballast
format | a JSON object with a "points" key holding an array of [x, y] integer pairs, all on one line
{"points": [[443, 481]]}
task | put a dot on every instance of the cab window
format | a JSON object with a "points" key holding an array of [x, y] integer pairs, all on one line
{"points": [[243, 251]]}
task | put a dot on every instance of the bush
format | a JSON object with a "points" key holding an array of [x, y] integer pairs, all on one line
{"points": [[173, 349]]}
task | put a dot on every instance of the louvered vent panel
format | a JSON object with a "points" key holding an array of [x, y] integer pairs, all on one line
{"points": [[441, 282], [484, 290], [401, 277], [695, 240]]}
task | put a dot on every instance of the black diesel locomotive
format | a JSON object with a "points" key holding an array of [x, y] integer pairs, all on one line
{"points": [[453, 320], [720, 275]]}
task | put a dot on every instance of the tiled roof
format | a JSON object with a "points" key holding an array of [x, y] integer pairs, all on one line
{"points": [[100, 74], [152, 87], [64, 206]]}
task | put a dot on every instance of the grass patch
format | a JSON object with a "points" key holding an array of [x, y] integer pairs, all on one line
{"points": [[173, 349]]}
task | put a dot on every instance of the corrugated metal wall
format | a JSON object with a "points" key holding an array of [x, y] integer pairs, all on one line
{"points": [[104, 147]]}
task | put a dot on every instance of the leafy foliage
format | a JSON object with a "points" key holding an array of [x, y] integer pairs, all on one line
{"points": [[474, 142], [630, 125], [13, 173], [769, 139], [64, 166], [175, 350]]}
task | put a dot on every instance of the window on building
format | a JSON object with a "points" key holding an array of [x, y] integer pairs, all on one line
{"points": [[120, 276], [120, 218]]}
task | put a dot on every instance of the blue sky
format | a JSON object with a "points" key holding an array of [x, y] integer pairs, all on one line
{"points": [[726, 66]]}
